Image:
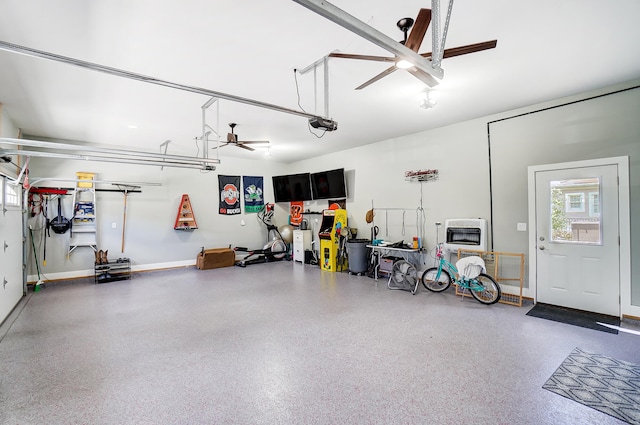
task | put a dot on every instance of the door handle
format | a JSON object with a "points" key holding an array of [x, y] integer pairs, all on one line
{"points": [[541, 248]]}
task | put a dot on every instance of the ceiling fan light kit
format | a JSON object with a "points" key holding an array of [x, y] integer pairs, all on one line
{"points": [[403, 64]]}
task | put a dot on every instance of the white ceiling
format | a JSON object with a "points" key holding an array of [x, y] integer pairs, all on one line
{"points": [[249, 48]]}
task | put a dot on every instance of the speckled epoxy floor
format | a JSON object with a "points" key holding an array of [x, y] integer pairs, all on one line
{"points": [[283, 344]]}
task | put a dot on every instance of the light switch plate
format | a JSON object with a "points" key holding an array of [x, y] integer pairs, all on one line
{"points": [[522, 227]]}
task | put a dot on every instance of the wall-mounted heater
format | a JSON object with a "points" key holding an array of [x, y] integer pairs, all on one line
{"points": [[465, 233]]}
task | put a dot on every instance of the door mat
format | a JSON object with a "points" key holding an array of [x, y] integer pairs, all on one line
{"points": [[570, 316], [602, 383]]}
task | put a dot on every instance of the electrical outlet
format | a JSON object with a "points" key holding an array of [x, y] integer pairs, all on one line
{"points": [[521, 227]]}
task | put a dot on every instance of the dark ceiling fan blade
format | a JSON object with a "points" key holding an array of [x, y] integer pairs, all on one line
{"points": [[419, 29], [240, 145], [384, 73], [362, 57], [466, 49], [253, 142], [423, 76]]}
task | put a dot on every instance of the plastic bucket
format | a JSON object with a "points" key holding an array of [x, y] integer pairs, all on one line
{"points": [[357, 253]]}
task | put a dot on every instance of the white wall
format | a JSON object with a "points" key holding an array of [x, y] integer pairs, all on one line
{"points": [[458, 152], [150, 240], [602, 123], [375, 176]]}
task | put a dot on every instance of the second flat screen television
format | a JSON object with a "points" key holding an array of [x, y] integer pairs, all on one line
{"points": [[329, 184]]}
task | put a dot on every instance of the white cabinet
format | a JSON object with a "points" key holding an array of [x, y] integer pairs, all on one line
{"points": [[301, 243]]}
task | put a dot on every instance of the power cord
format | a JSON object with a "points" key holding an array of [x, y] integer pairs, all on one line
{"points": [[295, 77]]}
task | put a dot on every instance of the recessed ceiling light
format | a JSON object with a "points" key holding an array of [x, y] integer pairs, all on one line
{"points": [[132, 126]]}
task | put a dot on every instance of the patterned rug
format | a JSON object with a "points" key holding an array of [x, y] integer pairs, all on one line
{"points": [[602, 383]]}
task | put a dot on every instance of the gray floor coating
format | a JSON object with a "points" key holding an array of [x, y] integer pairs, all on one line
{"points": [[283, 343]]}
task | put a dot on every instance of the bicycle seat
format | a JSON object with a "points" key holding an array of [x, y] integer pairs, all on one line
{"points": [[470, 267]]}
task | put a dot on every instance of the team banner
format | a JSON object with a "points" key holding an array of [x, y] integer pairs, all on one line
{"points": [[253, 199], [229, 194]]}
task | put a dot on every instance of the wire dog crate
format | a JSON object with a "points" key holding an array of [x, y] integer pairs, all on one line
{"points": [[506, 268]]}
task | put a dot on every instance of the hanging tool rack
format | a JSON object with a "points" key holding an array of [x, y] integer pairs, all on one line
{"points": [[408, 217]]}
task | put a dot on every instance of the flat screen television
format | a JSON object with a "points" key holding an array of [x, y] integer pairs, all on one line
{"points": [[329, 184], [292, 187]]}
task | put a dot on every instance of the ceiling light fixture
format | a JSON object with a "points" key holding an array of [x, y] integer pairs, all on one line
{"points": [[427, 102]]}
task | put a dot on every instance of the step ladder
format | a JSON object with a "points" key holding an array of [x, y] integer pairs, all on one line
{"points": [[84, 230], [186, 219]]}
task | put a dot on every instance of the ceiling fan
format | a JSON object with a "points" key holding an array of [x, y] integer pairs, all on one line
{"points": [[232, 139], [413, 42]]}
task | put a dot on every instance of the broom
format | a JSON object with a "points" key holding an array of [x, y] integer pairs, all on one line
{"points": [[39, 284]]}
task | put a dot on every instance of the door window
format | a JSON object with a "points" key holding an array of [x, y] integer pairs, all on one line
{"points": [[575, 211]]}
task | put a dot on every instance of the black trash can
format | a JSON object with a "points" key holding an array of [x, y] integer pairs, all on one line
{"points": [[358, 255]]}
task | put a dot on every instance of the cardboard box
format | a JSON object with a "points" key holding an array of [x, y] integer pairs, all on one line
{"points": [[215, 258]]}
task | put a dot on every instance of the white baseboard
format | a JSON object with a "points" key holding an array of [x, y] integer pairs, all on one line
{"points": [[90, 272]]}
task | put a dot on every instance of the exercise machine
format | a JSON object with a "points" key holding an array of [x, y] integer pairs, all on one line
{"points": [[275, 249]]}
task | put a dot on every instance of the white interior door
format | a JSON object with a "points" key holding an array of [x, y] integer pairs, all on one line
{"points": [[577, 238]]}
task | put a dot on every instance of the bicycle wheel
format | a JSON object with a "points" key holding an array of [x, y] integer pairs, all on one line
{"points": [[403, 275], [485, 289], [429, 280]]}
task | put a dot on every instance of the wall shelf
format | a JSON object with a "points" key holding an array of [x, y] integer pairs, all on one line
{"points": [[185, 220]]}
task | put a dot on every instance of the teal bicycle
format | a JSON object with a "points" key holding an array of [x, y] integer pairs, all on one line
{"points": [[437, 279]]}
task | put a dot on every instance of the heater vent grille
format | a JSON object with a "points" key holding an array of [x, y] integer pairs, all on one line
{"points": [[466, 233]]}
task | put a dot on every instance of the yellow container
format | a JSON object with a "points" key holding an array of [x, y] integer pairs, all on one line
{"points": [[85, 176]]}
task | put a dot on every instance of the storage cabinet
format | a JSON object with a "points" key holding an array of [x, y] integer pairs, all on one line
{"points": [[301, 242], [119, 269]]}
